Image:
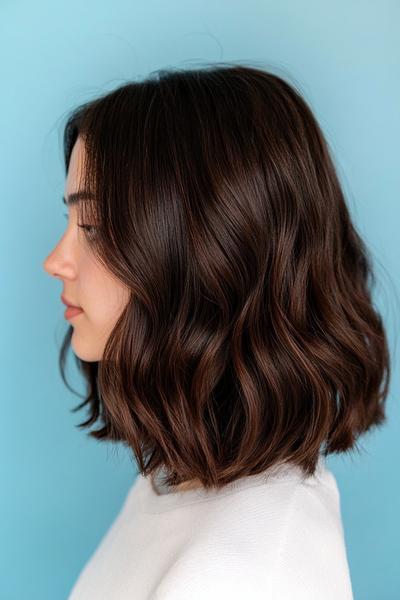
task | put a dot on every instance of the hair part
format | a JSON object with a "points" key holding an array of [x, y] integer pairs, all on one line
{"points": [[250, 338]]}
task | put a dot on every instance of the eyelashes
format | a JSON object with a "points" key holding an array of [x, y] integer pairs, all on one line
{"points": [[90, 230]]}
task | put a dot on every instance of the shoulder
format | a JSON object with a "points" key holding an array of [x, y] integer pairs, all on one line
{"points": [[281, 542], [312, 558]]}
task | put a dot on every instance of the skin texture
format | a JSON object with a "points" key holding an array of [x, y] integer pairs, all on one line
{"points": [[85, 281]]}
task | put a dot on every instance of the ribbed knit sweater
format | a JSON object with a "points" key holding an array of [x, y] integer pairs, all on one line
{"points": [[275, 537]]}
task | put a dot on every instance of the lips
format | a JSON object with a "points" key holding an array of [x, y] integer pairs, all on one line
{"points": [[65, 301], [71, 312]]}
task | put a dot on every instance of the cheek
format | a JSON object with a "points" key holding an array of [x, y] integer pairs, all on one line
{"points": [[105, 297], [101, 305], [94, 284]]}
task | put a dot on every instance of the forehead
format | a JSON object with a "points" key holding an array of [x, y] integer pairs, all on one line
{"points": [[75, 168], [74, 188]]}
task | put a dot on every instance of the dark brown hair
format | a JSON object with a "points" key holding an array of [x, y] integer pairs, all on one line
{"points": [[250, 337]]}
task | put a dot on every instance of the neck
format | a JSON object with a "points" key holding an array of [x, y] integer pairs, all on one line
{"points": [[192, 484]]}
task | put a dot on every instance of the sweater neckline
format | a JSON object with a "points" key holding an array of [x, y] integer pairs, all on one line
{"points": [[157, 498]]}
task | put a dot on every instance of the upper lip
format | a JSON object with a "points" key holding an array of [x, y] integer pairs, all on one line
{"points": [[65, 301]]}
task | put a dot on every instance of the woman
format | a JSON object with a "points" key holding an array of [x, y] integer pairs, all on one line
{"points": [[226, 333]]}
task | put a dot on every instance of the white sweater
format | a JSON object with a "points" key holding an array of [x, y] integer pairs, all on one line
{"points": [[275, 539]]}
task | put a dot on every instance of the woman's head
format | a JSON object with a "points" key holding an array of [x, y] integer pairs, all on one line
{"points": [[87, 283], [243, 330]]}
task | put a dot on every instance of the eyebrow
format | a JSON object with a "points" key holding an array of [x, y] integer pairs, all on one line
{"points": [[76, 197]]}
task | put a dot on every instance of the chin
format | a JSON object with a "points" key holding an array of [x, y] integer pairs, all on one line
{"points": [[84, 352]]}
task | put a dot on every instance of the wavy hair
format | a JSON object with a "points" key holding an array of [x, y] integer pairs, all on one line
{"points": [[250, 337]]}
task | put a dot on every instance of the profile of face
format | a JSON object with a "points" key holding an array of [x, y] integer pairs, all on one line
{"points": [[87, 284]]}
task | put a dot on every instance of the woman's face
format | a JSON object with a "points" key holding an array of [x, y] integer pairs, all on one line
{"points": [[86, 282]]}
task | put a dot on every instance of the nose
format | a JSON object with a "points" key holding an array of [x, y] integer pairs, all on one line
{"points": [[51, 263], [51, 266], [59, 265], [45, 265]]}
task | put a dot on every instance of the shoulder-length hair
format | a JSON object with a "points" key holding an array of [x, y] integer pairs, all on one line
{"points": [[250, 337]]}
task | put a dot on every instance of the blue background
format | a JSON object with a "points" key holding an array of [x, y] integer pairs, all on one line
{"points": [[60, 490]]}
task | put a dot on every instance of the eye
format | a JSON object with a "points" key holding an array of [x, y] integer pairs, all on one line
{"points": [[90, 230]]}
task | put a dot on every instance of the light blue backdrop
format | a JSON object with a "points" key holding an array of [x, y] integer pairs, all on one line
{"points": [[60, 491]]}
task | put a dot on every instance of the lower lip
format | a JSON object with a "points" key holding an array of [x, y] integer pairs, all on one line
{"points": [[71, 311]]}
